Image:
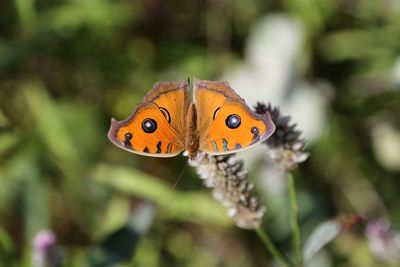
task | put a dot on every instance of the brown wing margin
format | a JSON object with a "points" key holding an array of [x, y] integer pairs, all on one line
{"points": [[221, 87], [161, 88]]}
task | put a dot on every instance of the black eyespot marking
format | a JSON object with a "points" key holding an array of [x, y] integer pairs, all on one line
{"points": [[128, 137], [149, 125], [166, 114], [216, 113], [233, 121], [255, 130], [146, 150], [256, 133]]}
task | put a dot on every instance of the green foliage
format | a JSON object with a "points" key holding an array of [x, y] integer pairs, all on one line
{"points": [[67, 67], [177, 205]]}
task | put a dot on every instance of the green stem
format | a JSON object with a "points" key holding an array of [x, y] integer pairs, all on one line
{"points": [[272, 248], [295, 220], [26, 13]]}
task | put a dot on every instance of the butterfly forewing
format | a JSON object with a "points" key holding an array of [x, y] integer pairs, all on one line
{"points": [[172, 98], [226, 123], [155, 128]]}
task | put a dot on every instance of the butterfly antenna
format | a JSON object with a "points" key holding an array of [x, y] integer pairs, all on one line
{"points": [[180, 176]]}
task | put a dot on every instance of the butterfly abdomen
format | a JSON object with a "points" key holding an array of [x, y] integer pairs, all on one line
{"points": [[192, 136]]}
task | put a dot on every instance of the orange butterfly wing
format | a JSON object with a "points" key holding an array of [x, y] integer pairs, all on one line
{"points": [[157, 126], [225, 123]]}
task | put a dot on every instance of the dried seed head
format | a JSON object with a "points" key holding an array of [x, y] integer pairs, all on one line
{"points": [[228, 179], [285, 146]]}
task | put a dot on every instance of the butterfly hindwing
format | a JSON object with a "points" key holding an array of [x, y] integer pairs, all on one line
{"points": [[225, 123], [156, 127]]}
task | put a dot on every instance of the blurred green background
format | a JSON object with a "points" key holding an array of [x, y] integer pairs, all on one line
{"points": [[67, 67]]}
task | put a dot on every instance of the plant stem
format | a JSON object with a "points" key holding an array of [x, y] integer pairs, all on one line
{"points": [[272, 248], [26, 13], [295, 220]]}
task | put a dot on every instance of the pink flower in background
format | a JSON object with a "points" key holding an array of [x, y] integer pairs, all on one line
{"points": [[383, 240], [45, 251]]}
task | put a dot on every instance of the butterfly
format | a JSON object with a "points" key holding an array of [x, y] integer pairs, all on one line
{"points": [[166, 123]]}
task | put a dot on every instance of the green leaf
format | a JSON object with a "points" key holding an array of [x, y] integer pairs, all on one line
{"points": [[7, 246], [26, 13], [320, 237], [120, 245], [187, 206]]}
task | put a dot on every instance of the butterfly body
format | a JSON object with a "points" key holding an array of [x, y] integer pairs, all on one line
{"points": [[167, 123], [192, 136]]}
